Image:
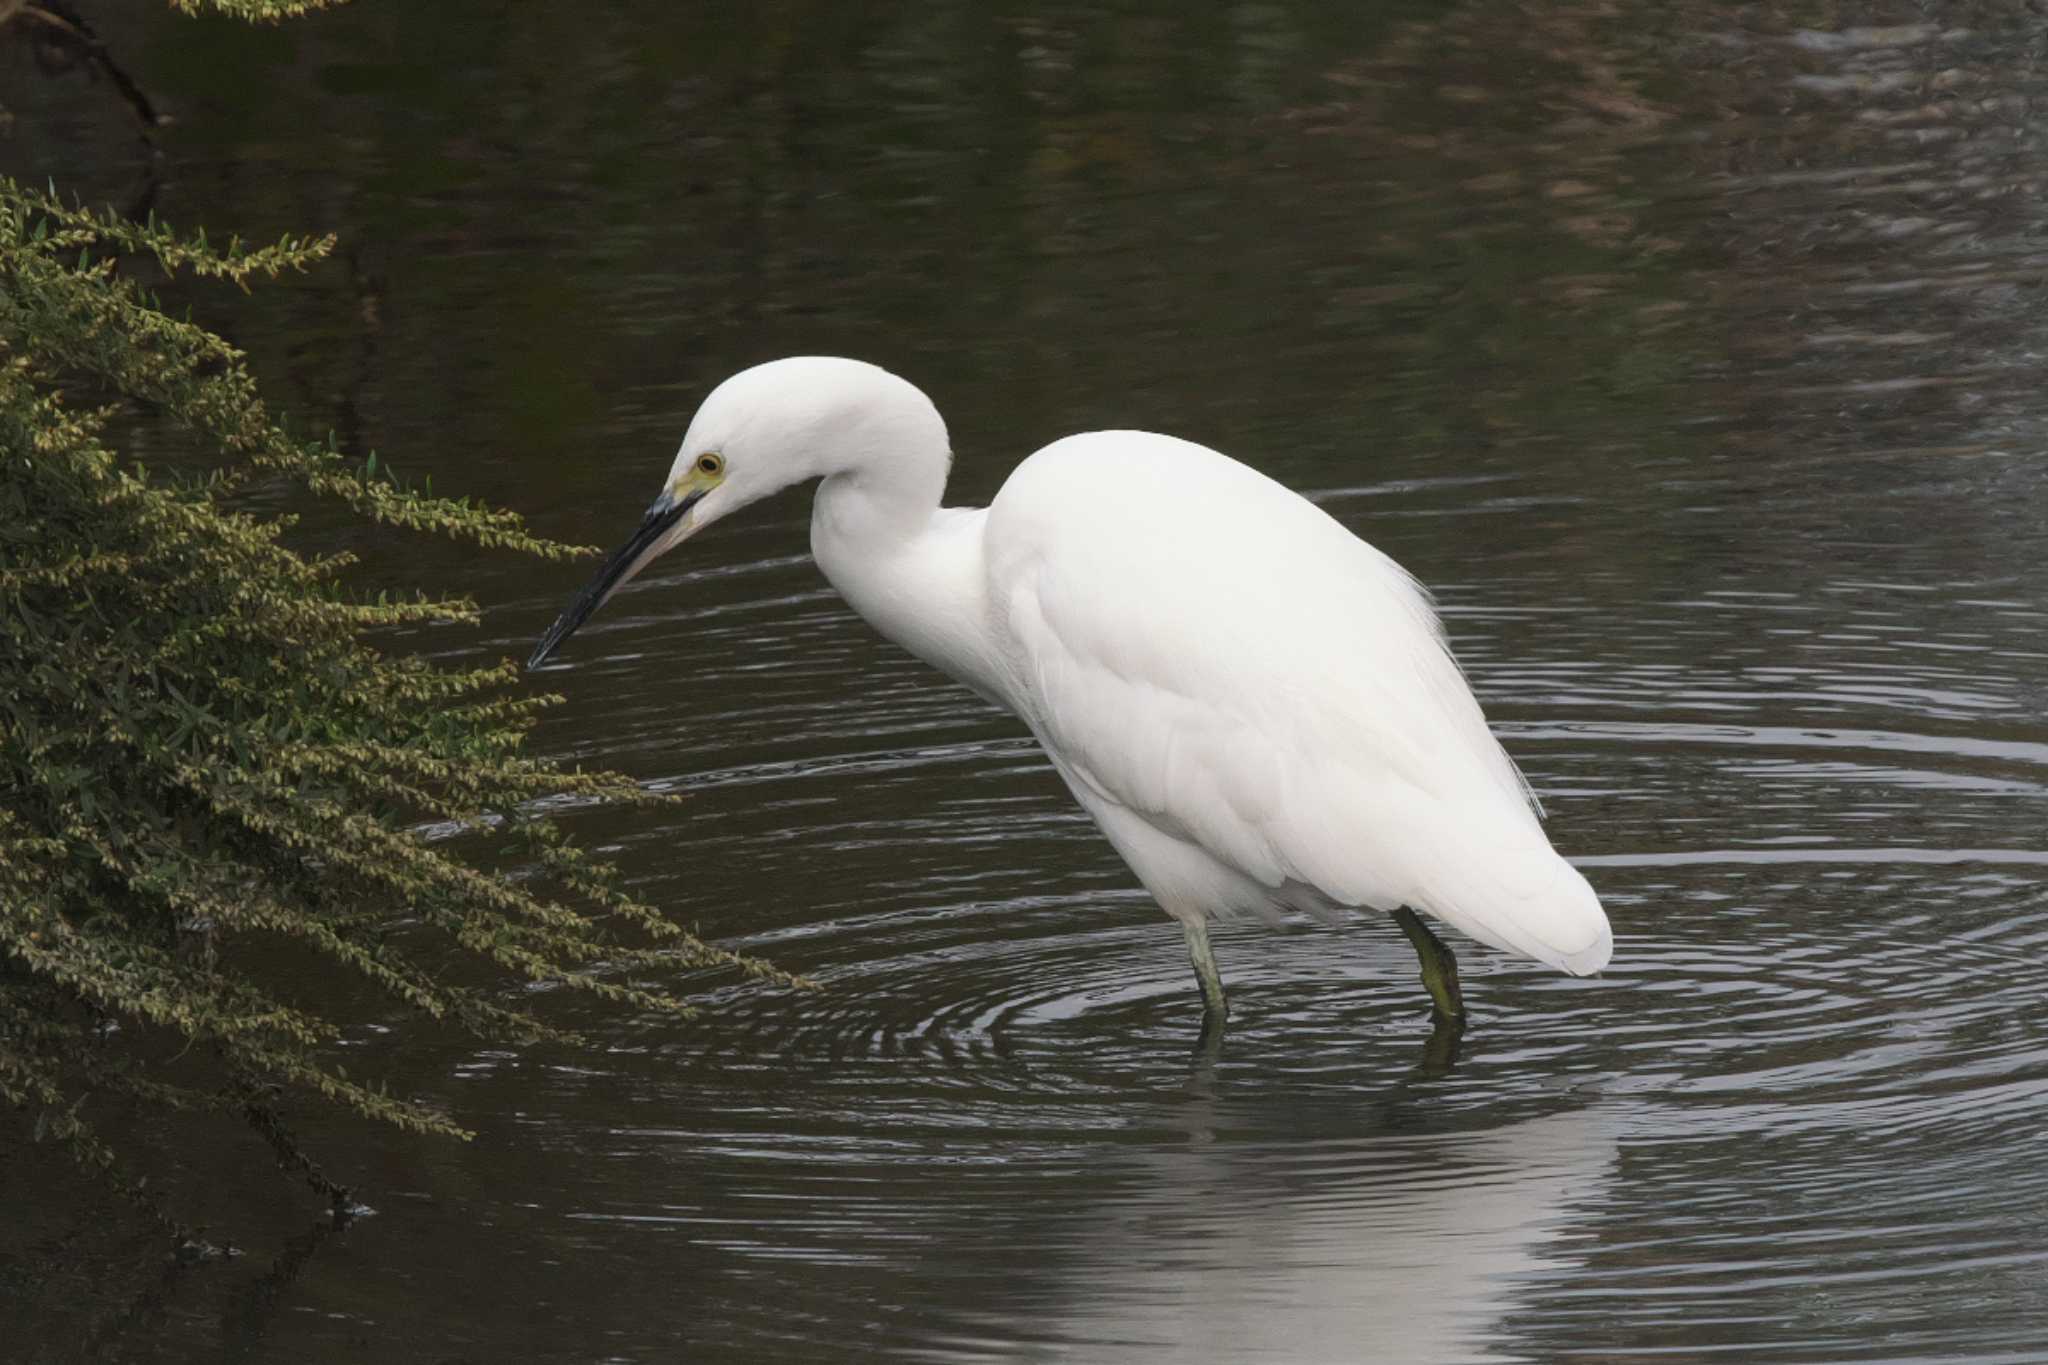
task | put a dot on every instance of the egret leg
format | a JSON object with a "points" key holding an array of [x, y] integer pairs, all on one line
{"points": [[1439, 967], [1215, 1009], [1440, 1053]]}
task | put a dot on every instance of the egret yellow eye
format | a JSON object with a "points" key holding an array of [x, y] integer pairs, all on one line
{"points": [[711, 462]]}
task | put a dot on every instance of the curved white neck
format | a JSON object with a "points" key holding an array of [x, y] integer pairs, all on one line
{"points": [[912, 569]]}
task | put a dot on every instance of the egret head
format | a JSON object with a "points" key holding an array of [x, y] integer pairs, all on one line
{"points": [[759, 432]]}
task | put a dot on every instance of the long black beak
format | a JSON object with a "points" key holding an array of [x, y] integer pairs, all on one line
{"points": [[628, 560]]}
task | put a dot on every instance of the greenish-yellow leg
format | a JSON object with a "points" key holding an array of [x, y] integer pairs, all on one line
{"points": [[1215, 1009], [1440, 1053], [1439, 968]]}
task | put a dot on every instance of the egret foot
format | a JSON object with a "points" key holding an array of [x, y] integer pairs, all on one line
{"points": [[1439, 967], [1440, 1053], [1209, 1042], [1215, 1009]]}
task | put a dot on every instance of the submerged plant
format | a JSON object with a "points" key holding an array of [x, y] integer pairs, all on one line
{"points": [[205, 751]]}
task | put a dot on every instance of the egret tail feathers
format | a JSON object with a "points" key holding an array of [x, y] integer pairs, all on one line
{"points": [[1517, 894]]}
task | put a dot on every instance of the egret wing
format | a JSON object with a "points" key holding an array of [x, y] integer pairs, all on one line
{"points": [[1199, 645]]}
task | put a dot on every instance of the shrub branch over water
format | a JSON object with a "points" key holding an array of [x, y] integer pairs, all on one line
{"points": [[203, 751]]}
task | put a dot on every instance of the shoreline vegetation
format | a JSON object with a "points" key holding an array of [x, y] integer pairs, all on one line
{"points": [[209, 748]]}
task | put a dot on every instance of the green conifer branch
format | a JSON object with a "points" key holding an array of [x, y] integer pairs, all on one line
{"points": [[211, 752], [256, 11]]}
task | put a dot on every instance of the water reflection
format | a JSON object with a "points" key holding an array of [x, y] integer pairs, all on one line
{"points": [[1691, 354], [1340, 1249]]}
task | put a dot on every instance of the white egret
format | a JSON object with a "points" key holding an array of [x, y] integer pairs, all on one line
{"points": [[1258, 708]]}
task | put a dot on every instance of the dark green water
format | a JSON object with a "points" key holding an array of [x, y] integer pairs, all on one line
{"points": [[1692, 353]]}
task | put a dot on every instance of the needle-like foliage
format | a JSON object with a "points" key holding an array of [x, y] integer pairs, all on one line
{"points": [[205, 752], [256, 11]]}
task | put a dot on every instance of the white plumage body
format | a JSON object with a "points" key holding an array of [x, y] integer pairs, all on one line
{"points": [[1257, 707]]}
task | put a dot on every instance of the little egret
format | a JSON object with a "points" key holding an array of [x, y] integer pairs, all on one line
{"points": [[1259, 709]]}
